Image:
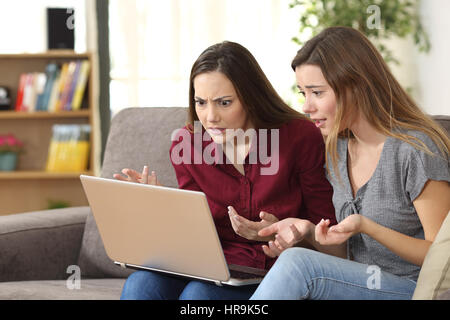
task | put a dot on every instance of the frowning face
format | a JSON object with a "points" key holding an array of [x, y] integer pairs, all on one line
{"points": [[217, 105]]}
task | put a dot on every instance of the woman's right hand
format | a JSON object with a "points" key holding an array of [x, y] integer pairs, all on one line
{"points": [[134, 176], [288, 232]]}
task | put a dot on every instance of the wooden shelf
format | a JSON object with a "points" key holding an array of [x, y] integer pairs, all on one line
{"points": [[29, 188], [44, 114], [53, 54], [36, 174]]}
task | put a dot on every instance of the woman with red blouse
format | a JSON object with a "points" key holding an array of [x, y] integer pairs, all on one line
{"points": [[257, 160]]}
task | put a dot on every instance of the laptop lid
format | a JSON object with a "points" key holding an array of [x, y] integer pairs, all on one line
{"points": [[159, 228]]}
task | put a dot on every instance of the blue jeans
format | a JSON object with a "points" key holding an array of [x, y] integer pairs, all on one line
{"points": [[301, 273], [147, 285]]}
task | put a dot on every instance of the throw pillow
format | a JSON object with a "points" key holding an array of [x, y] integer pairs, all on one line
{"points": [[434, 277]]}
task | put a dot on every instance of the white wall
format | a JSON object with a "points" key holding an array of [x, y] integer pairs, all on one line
{"points": [[24, 24], [433, 69], [24, 30], [426, 75]]}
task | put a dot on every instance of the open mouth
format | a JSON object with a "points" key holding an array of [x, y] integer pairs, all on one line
{"points": [[319, 122], [216, 131]]}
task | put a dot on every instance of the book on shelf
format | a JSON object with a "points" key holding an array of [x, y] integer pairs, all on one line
{"points": [[19, 98], [80, 85], [51, 72], [60, 87], [69, 148], [67, 105]]}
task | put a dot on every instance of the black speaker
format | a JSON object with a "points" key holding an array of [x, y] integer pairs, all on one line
{"points": [[60, 28]]}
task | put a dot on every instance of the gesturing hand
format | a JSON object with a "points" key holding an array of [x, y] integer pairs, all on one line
{"points": [[249, 229], [339, 233], [134, 176], [287, 232]]}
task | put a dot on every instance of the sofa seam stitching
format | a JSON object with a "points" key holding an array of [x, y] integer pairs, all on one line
{"points": [[42, 228]]}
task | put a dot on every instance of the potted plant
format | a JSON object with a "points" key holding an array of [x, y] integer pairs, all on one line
{"points": [[378, 20], [10, 147]]}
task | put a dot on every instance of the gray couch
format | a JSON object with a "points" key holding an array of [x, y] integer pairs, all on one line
{"points": [[37, 248]]}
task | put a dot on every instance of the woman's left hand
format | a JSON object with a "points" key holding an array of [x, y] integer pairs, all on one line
{"points": [[249, 229], [339, 233]]}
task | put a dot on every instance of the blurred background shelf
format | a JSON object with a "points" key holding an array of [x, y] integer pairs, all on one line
{"points": [[30, 187], [44, 114], [36, 174]]}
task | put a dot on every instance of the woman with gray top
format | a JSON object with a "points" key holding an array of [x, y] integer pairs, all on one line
{"points": [[388, 164]]}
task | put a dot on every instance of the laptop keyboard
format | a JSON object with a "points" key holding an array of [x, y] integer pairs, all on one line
{"points": [[243, 275], [243, 272]]}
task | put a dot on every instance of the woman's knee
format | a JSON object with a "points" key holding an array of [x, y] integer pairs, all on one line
{"points": [[197, 290], [288, 277], [136, 284], [145, 285], [296, 264], [293, 258], [138, 279]]}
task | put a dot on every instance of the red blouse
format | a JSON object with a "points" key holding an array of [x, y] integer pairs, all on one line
{"points": [[299, 188]]}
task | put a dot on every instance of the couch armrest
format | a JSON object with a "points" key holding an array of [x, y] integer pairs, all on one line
{"points": [[40, 245]]}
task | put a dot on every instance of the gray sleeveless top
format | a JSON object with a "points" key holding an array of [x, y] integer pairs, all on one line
{"points": [[387, 197]]}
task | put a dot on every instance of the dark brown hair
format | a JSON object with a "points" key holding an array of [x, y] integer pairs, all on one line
{"points": [[363, 84], [263, 105]]}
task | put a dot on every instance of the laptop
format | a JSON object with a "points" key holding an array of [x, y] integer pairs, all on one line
{"points": [[162, 229]]}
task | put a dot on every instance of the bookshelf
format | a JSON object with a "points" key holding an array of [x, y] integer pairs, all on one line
{"points": [[30, 187]]}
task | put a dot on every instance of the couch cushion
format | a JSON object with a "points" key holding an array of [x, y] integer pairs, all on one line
{"points": [[434, 277], [98, 289], [137, 137], [141, 136], [44, 243]]}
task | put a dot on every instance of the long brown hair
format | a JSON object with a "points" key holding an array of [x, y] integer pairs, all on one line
{"points": [[363, 83], [259, 99]]}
